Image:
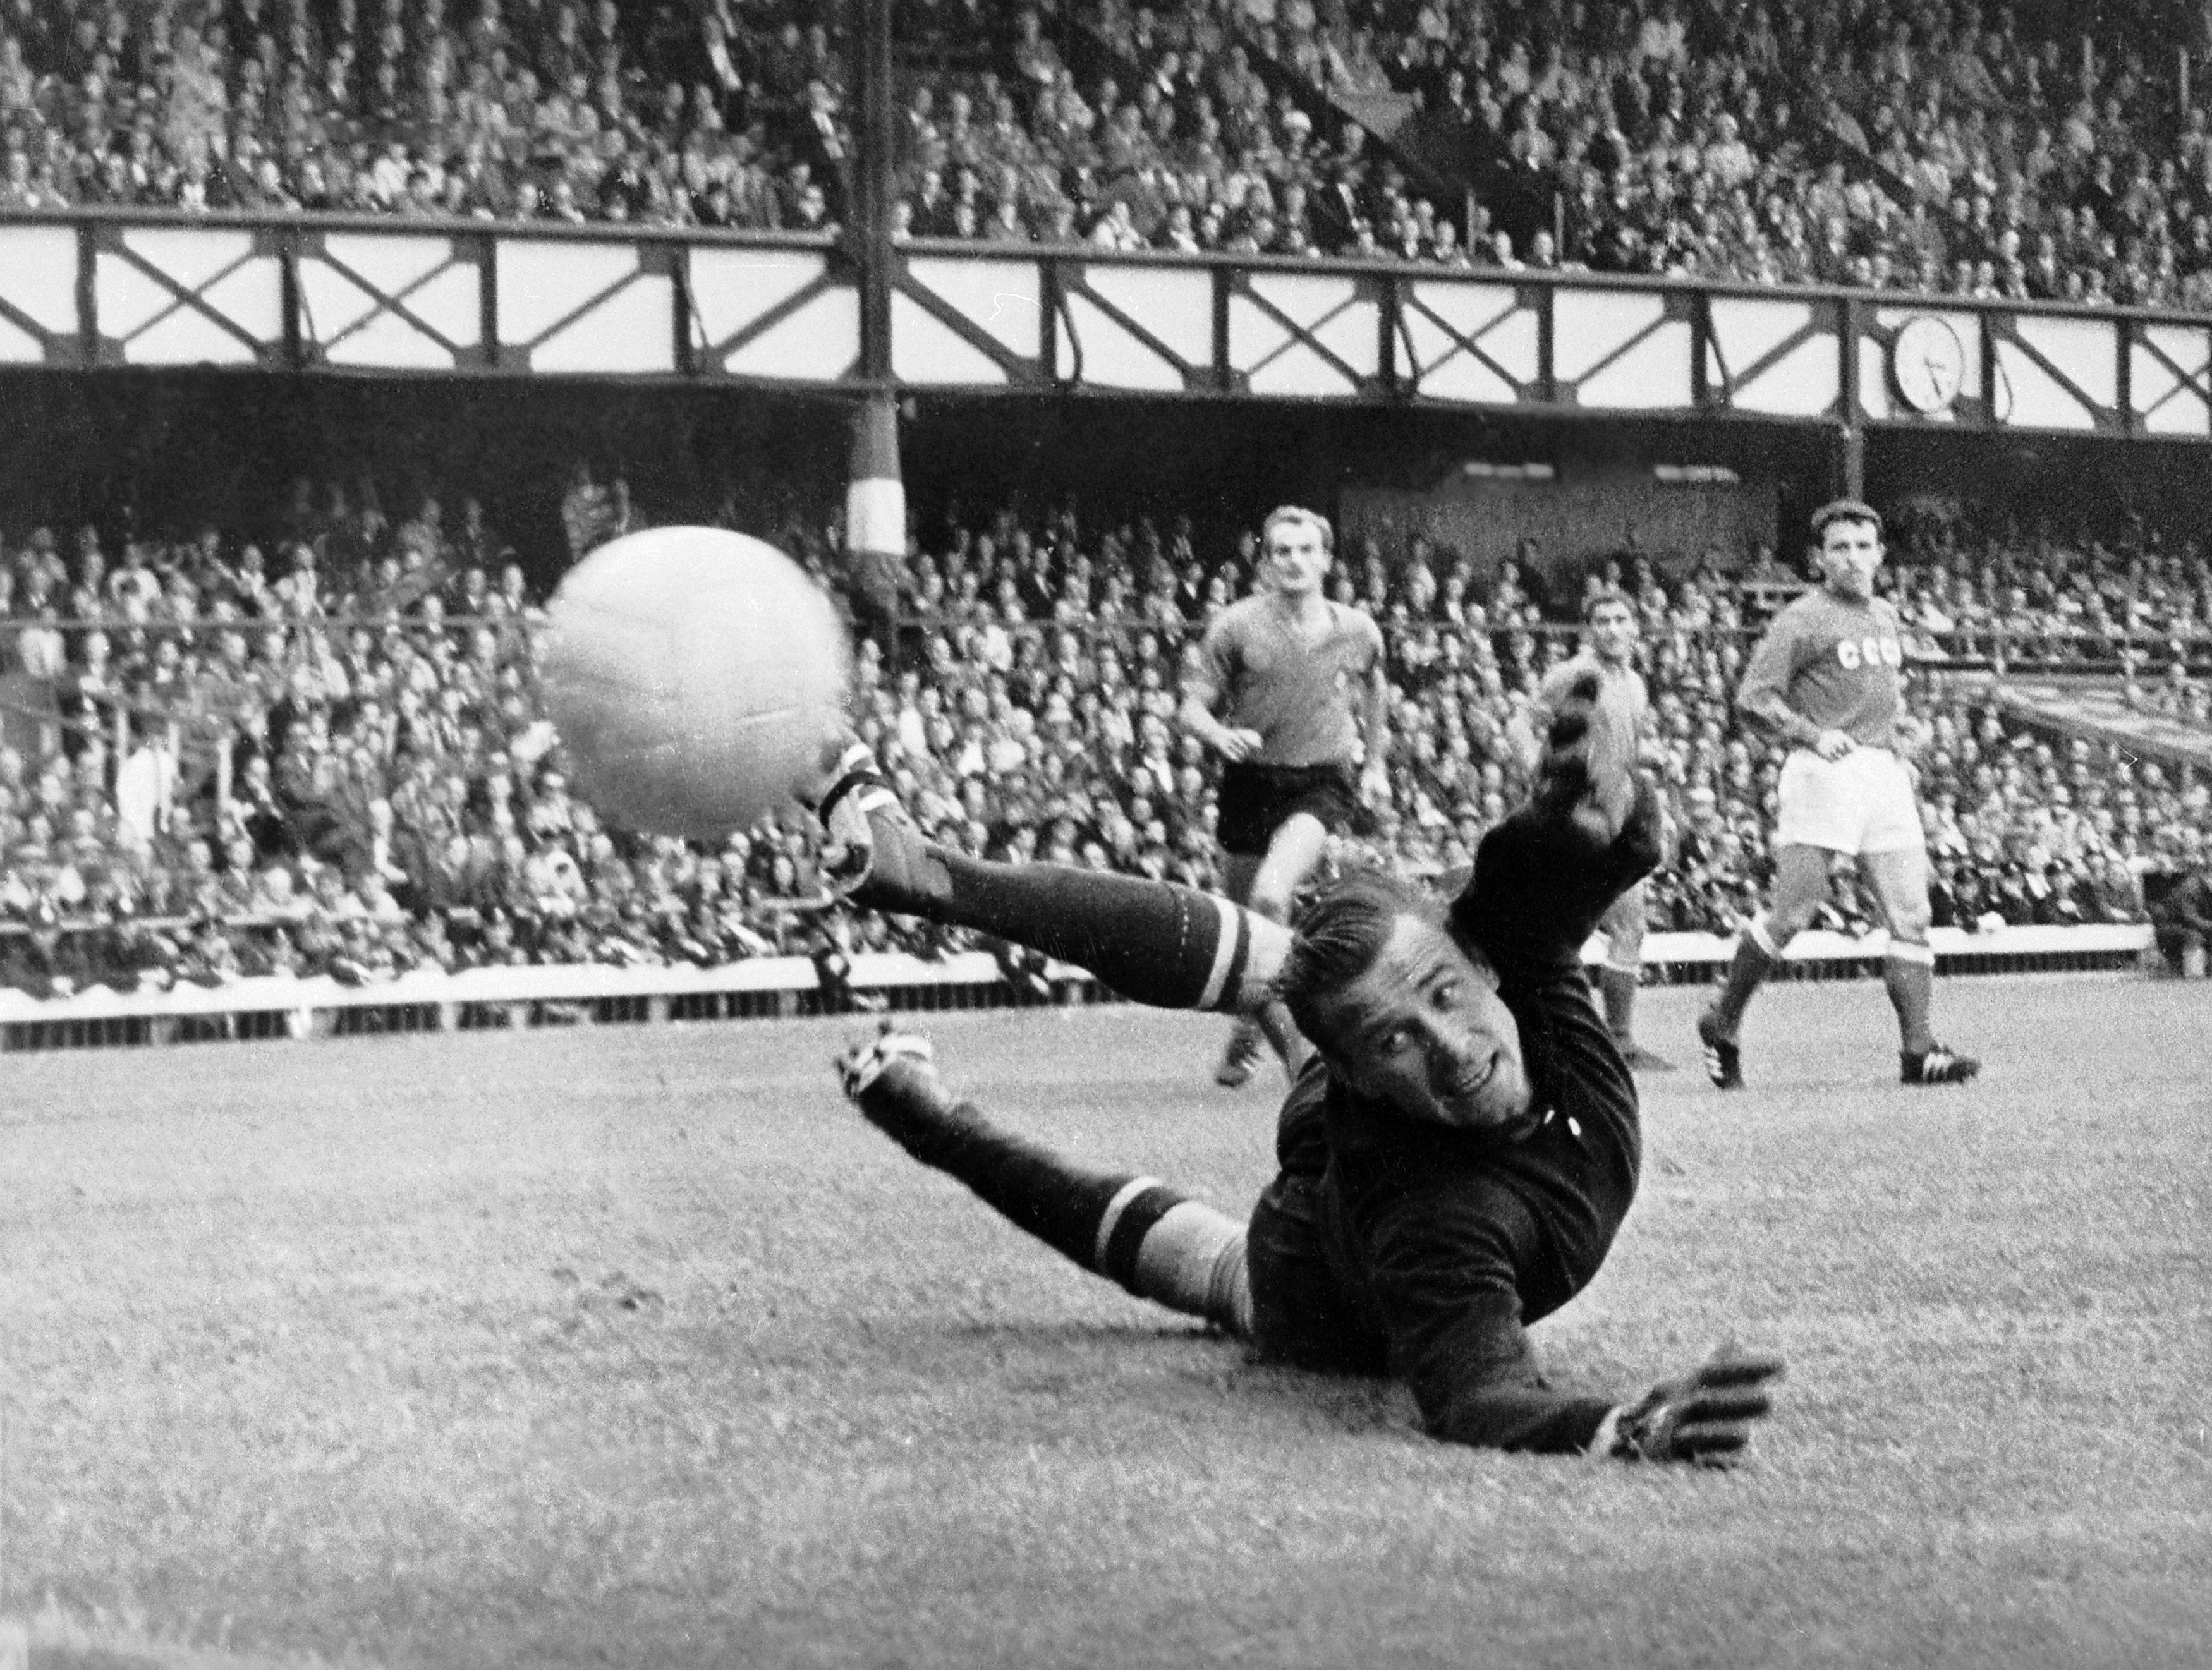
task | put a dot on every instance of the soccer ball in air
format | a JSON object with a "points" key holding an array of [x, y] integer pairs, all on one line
{"points": [[692, 674]]}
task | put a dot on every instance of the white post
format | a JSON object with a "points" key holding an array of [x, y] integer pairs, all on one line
{"points": [[168, 779], [222, 750]]}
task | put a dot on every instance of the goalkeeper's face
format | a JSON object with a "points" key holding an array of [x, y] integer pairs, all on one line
{"points": [[1424, 1030]]}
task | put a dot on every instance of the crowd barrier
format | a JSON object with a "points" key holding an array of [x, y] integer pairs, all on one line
{"points": [[283, 1007]]}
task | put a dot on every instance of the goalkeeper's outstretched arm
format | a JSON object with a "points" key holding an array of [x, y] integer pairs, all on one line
{"points": [[1445, 1281]]}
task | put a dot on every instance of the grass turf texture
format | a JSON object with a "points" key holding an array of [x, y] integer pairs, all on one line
{"points": [[636, 1346]]}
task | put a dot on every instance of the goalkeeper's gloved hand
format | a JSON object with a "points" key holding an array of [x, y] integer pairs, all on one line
{"points": [[1703, 1417], [1586, 775]]}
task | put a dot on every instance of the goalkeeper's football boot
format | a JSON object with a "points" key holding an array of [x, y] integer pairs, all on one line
{"points": [[877, 857], [1724, 1060], [861, 1066], [1937, 1065], [1640, 1059]]}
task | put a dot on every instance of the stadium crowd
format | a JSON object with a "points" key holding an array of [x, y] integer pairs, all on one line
{"points": [[325, 753], [2027, 152], [720, 115], [2008, 151]]}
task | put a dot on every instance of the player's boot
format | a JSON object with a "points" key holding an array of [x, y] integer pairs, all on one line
{"points": [[861, 1066], [892, 1079], [1246, 1047], [1640, 1059], [1724, 1060], [877, 857], [1937, 1066]]}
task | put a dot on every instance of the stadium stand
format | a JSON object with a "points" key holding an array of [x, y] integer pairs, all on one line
{"points": [[2020, 153], [1888, 146], [722, 117], [324, 757]]}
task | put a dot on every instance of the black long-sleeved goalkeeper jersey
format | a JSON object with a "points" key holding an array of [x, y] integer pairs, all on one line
{"points": [[1443, 1245]]}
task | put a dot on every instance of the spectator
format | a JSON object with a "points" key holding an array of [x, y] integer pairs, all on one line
{"points": [[391, 801]]}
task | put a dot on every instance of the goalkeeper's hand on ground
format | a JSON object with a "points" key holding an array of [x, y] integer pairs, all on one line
{"points": [[1703, 1417]]}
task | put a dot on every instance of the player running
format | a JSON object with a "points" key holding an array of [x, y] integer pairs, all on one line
{"points": [[1290, 691], [1608, 653], [1454, 1163], [1826, 680]]}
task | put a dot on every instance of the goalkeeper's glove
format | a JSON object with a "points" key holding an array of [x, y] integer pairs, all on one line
{"points": [[1586, 774], [1703, 1417]]}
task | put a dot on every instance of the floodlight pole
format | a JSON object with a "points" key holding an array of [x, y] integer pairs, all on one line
{"points": [[1850, 460], [868, 237], [1848, 478], [875, 494]]}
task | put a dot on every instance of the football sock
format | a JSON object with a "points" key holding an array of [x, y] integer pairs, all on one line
{"points": [[1153, 941], [1756, 955], [1617, 987], [1157, 1243], [1909, 972]]}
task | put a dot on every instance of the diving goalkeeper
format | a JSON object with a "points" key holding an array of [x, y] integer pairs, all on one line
{"points": [[1455, 1161]]}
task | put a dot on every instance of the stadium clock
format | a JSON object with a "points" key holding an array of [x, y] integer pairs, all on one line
{"points": [[1927, 363]]}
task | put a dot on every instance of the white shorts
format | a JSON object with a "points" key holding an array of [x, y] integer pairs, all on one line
{"points": [[1863, 802]]}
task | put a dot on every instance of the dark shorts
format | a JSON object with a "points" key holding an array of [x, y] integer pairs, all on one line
{"points": [[1256, 800]]}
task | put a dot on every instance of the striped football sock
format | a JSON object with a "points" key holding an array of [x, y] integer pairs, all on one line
{"points": [[1153, 941], [1154, 1240]]}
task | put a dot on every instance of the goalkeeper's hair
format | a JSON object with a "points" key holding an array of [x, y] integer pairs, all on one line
{"points": [[1340, 935]]}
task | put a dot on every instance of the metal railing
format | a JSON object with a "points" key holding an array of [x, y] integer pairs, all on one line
{"points": [[286, 1009]]}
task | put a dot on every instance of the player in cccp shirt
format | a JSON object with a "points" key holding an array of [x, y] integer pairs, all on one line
{"points": [[1827, 681]]}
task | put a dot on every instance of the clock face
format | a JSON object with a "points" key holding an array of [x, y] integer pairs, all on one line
{"points": [[1927, 362]]}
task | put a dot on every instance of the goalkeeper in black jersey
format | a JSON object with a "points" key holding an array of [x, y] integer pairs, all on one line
{"points": [[1454, 1162]]}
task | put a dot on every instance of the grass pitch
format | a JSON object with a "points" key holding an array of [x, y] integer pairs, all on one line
{"points": [[636, 1346]]}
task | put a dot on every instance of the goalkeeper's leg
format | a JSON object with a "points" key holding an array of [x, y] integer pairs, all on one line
{"points": [[1153, 941], [1159, 1244]]}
